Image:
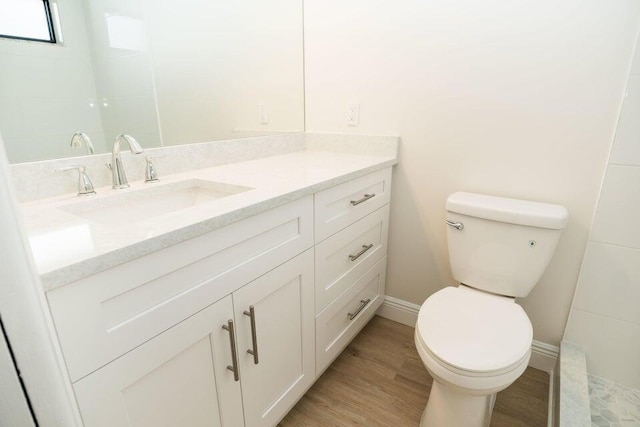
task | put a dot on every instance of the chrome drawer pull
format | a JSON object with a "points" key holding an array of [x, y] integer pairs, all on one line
{"points": [[456, 225], [363, 304], [234, 351], [254, 336], [364, 199], [365, 248]]}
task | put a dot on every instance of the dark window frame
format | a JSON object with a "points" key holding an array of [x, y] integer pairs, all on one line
{"points": [[52, 33]]}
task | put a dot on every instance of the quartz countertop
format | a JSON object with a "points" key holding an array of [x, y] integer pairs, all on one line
{"points": [[67, 247]]}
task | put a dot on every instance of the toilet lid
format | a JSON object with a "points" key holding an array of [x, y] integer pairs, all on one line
{"points": [[473, 330]]}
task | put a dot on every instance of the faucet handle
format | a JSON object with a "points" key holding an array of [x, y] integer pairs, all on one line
{"points": [[151, 173], [85, 186]]}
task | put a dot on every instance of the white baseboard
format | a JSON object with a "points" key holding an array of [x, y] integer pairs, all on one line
{"points": [[399, 311], [543, 355]]}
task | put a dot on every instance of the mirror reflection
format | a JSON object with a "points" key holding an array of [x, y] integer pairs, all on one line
{"points": [[162, 71]]}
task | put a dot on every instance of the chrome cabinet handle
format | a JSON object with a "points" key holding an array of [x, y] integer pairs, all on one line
{"points": [[456, 225], [363, 304], [364, 199], [254, 335], [365, 248], [234, 351]]}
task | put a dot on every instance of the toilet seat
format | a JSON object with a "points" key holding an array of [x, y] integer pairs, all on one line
{"points": [[474, 333]]}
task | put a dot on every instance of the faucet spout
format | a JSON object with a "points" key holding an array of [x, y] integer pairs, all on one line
{"points": [[79, 139], [117, 168]]}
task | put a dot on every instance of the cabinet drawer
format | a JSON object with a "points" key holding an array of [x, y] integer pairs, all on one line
{"points": [[105, 315], [337, 324], [339, 206], [347, 255]]}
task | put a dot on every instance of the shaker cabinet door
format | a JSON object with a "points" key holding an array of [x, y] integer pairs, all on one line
{"points": [[179, 378], [276, 340]]}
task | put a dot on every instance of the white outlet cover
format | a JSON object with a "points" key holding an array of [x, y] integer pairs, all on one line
{"points": [[353, 114], [263, 115]]}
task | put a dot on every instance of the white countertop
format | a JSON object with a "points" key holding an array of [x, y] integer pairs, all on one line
{"points": [[67, 247]]}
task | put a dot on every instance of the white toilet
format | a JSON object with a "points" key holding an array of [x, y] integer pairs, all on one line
{"points": [[474, 339]]}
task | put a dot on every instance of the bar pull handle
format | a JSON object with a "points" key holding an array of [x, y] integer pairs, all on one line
{"points": [[254, 335], [456, 225], [363, 304], [364, 199], [234, 351], [365, 248]]}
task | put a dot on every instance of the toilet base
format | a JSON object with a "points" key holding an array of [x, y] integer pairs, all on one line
{"points": [[448, 408]]}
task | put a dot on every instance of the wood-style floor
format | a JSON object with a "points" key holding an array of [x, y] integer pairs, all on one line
{"points": [[379, 380]]}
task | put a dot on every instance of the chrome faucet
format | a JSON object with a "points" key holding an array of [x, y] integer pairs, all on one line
{"points": [[116, 166], [80, 138], [85, 186], [151, 173]]}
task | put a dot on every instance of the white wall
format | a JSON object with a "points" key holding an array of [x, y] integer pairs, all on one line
{"points": [[46, 91], [27, 323], [214, 62], [122, 68], [511, 98], [605, 314]]}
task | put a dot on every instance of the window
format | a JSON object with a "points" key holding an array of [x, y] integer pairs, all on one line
{"points": [[26, 20]]}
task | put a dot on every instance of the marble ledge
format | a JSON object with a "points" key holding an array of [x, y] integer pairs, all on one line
{"points": [[374, 145], [275, 180], [37, 180], [574, 388]]}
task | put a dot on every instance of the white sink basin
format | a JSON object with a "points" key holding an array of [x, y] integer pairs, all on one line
{"points": [[153, 201]]}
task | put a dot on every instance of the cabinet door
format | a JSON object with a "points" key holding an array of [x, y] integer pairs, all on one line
{"points": [[284, 333], [179, 378]]}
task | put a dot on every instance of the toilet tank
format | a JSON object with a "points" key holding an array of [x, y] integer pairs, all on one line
{"points": [[501, 245]]}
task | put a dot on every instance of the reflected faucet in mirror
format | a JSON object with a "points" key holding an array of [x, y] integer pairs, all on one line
{"points": [[79, 139], [117, 168]]}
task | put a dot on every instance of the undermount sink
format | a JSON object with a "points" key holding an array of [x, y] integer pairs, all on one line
{"points": [[156, 200]]}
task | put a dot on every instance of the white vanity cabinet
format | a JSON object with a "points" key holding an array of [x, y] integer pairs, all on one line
{"points": [[351, 228], [281, 365], [103, 316], [178, 378], [187, 375], [229, 328]]}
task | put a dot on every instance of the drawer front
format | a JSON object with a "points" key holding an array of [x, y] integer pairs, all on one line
{"points": [[337, 324], [103, 316], [339, 206], [347, 255]]}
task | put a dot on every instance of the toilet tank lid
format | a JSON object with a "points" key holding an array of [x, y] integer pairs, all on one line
{"points": [[513, 211]]}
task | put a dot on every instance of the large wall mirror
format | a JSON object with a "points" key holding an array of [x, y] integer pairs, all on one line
{"points": [[165, 72]]}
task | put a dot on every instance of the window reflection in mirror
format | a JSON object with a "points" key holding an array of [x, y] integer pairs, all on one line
{"points": [[26, 20]]}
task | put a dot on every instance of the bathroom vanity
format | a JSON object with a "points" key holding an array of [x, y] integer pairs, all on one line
{"points": [[225, 309]]}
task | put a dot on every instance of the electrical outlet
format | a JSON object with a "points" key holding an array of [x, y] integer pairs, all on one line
{"points": [[353, 114], [263, 116]]}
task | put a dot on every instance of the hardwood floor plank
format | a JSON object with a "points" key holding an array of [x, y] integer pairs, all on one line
{"points": [[380, 380]]}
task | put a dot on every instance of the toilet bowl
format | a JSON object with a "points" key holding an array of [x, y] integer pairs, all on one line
{"points": [[474, 339], [474, 344]]}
